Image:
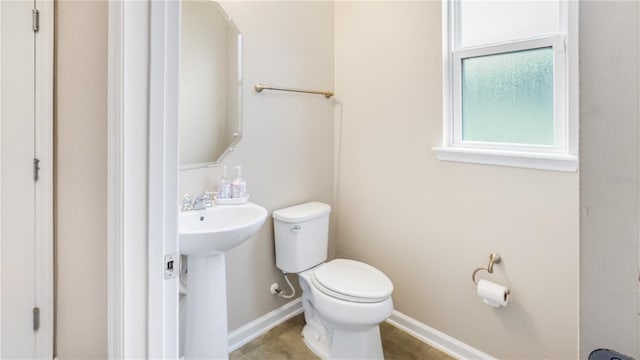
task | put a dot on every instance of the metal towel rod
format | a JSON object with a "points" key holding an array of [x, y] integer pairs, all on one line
{"points": [[260, 87]]}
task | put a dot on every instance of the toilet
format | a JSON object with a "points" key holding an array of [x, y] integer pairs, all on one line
{"points": [[344, 301]]}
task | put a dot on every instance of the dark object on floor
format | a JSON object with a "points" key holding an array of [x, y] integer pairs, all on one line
{"points": [[606, 354]]}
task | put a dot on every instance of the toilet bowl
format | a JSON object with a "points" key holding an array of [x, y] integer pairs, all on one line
{"points": [[344, 300], [339, 325]]}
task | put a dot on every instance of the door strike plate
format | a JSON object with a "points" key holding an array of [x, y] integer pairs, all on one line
{"points": [[171, 266]]}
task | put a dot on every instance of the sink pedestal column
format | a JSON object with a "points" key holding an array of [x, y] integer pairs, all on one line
{"points": [[206, 335]]}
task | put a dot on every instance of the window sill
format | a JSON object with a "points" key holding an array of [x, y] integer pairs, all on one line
{"points": [[528, 160]]}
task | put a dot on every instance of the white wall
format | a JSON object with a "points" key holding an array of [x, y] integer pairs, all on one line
{"points": [[287, 146], [609, 170], [428, 224]]}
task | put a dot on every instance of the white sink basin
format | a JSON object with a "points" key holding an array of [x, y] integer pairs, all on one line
{"points": [[218, 229]]}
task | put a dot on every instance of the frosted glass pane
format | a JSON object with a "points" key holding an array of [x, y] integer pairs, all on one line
{"points": [[508, 97], [488, 22]]}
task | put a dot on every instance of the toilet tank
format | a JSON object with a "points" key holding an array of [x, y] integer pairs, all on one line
{"points": [[302, 234]]}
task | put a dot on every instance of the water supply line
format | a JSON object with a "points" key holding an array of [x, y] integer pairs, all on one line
{"points": [[276, 290]]}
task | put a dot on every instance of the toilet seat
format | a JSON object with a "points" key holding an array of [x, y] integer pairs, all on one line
{"points": [[352, 281]]}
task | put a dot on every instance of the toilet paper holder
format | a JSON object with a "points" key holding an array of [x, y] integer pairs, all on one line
{"points": [[494, 258]]}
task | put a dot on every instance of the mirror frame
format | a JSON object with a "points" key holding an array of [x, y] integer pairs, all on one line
{"points": [[238, 134]]}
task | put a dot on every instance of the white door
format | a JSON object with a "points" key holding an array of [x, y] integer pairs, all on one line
{"points": [[26, 270], [17, 220]]}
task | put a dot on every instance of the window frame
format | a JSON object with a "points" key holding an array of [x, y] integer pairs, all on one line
{"points": [[562, 155]]}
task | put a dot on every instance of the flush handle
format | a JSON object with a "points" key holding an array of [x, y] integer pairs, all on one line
{"points": [[296, 228]]}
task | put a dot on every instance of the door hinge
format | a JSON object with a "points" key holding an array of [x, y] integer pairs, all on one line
{"points": [[36, 319], [36, 169], [35, 19]]}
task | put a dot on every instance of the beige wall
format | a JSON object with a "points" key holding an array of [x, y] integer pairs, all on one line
{"points": [[609, 170], [81, 179], [287, 146], [428, 224]]}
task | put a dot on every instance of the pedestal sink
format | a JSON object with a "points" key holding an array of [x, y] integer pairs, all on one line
{"points": [[205, 235]]}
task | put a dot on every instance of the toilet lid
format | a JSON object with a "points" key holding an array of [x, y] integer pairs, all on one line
{"points": [[353, 281]]}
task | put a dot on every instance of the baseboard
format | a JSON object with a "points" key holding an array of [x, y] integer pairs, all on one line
{"points": [[261, 325], [435, 338]]}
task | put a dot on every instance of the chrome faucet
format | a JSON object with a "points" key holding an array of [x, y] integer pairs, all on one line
{"points": [[202, 201]]}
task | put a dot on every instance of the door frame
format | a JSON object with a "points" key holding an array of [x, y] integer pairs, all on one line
{"points": [[164, 325], [143, 178], [127, 174], [44, 247]]}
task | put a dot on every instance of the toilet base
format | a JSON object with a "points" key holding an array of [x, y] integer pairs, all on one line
{"points": [[341, 344]]}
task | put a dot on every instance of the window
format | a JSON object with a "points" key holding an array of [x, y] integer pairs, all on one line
{"points": [[510, 83]]}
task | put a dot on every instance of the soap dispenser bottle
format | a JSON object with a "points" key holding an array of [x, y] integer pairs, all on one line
{"points": [[224, 186], [239, 185]]}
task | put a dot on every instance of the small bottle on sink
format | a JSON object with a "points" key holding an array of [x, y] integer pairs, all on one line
{"points": [[224, 186], [239, 185]]}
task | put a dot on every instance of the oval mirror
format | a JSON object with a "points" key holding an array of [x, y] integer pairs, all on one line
{"points": [[210, 102]]}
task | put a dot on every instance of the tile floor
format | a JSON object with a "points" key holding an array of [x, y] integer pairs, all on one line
{"points": [[285, 342]]}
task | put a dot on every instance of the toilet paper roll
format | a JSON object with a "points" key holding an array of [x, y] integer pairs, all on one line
{"points": [[493, 294]]}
